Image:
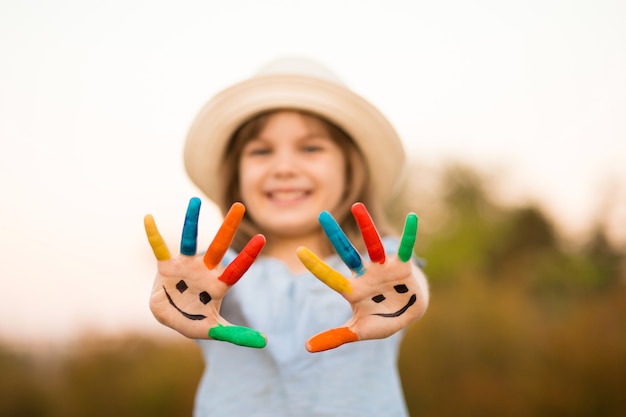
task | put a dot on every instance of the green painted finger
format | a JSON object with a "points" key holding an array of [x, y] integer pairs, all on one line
{"points": [[239, 335], [408, 237]]}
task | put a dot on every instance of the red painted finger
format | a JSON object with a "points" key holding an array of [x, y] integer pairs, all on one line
{"points": [[235, 270], [331, 339], [224, 236], [370, 235]]}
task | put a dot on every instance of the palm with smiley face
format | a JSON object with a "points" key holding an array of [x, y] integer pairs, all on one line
{"points": [[188, 289], [386, 294]]}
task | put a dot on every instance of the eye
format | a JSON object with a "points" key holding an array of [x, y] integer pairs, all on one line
{"points": [[312, 148], [256, 147], [317, 142], [378, 298], [181, 286], [258, 151], [401, 289], [205, 297]]}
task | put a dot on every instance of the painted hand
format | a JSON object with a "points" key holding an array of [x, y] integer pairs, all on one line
{"points": [[188, 289], [385, 294]]}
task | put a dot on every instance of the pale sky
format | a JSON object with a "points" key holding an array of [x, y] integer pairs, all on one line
{"points": [[96, 98]]}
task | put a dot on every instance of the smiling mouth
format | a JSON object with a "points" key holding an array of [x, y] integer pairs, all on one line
{"points": [[189, 316], [286, 196], [412, 301]]}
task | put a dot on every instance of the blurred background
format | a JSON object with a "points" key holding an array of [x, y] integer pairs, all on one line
{"points": [[512, 114]]}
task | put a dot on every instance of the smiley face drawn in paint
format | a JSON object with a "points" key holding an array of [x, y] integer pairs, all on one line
{"points": [[182, 286], [400, 289]]}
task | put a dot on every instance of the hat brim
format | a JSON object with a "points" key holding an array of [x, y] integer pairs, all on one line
{"points": [[215, 124]]}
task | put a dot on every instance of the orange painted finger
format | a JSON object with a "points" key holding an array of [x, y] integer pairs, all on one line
{"points": [[369, 232], [331, 339], [157, 243], [224, 236], [235, 270]]}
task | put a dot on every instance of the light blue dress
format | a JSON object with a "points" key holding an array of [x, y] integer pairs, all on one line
{"points": [[284, 379]]}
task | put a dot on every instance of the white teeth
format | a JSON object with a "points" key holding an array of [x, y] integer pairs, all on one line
{"points": [[287, 195]]}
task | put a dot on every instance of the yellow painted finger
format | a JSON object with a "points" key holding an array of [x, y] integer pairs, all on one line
{"points": [[157, 243], [323, 272]]}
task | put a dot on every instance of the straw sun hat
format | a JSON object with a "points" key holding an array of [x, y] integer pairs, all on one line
{"points": [[293, 83]]}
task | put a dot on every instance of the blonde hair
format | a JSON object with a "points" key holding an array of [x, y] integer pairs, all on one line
{"points": [[357, 179]]}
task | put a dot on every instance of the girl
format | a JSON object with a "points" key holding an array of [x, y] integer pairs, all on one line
{"points": [[298, 149]]}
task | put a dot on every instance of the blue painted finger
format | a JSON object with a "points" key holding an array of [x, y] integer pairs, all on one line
{"points": [[340, 242], [189, 240]]}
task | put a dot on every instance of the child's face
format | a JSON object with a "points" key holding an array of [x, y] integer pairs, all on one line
{"points": [[289, 173]]}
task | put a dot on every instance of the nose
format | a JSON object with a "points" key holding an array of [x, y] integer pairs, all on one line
{"points": [[284, 164]]}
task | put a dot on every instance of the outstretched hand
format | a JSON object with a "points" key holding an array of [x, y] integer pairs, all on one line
{"points": [[188, 289], [386, 294]]}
